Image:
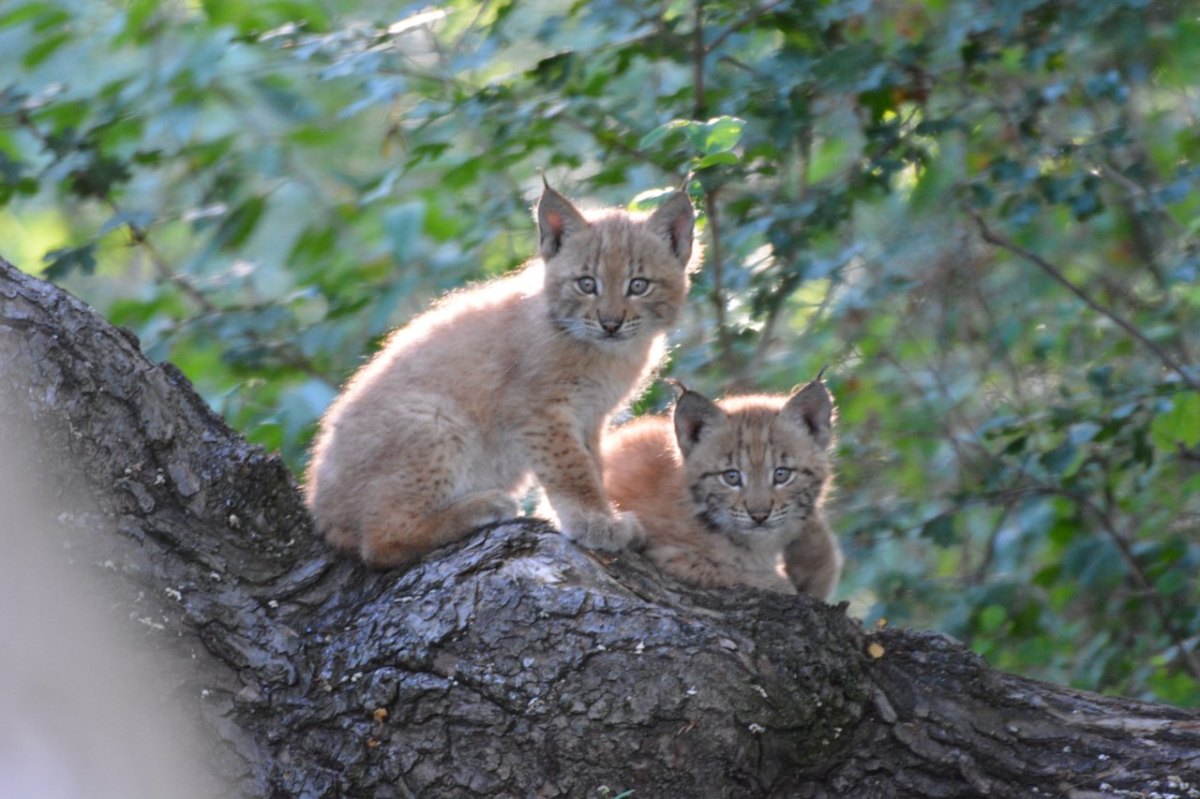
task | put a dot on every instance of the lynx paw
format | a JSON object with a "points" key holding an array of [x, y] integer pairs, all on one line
{"points": [[600, 531], [486, 507]]}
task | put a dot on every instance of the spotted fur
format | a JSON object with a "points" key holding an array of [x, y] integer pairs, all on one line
{"points": [[503, 384], [730, 493]]}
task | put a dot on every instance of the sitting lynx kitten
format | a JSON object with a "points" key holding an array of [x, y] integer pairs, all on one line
{"points": [[732, 496], [442, 430]]}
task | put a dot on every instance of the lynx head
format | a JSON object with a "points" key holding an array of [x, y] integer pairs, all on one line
{"points": [[614, 277], [756, 465]]}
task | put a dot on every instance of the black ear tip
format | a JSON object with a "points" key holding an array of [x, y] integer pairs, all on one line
{"points": [[549, 193], [816, 391], [694, 404], [677, 386]]}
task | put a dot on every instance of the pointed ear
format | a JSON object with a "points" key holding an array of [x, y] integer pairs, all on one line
{"points": [[673, 221], [695, 416], [557, 221], [676, 386], [812, 408]]}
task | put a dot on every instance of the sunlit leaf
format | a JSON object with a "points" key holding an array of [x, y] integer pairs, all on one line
{"points": [[722, 134], [1180, 426]]}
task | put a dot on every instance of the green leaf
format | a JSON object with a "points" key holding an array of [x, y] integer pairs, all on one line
{"points": [[65, 260], [659, 134], [135, 219], [238, 226], [99, 176], [941, 530], [1180, 426], [992, 618], [260, 16], [26, 12], [1082, 432], [403, 223], [722, 134], [44, 48], [1059, 460], [650, 199], [714, 159]]}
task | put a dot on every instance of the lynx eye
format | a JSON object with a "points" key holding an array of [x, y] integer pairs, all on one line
{"points": [[732, 478], [783, 475], [586, 284], [638, 286]]}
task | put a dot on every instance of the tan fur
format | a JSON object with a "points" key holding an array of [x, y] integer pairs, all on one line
{"points": [[501, 384], [700, 530]]}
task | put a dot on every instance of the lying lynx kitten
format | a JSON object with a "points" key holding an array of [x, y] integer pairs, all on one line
{"points": [[442, 430], [732, 495]]}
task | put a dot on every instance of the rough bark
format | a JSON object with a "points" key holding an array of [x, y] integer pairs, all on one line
{"points": [[515, 664]]}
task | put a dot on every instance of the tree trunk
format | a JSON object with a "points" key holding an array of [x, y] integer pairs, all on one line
{"points": [[516, 663]]}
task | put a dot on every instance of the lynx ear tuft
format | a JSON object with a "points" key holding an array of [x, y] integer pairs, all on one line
{"points": [[812, 408], [557, 221], [674, 221], [695, 416]]}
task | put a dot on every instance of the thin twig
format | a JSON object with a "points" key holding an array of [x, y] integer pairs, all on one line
{"points": [[766, 337], [997, 344], [1141, 581], [1136, 189], [140, 238], [979, 573], [610, 139], [997, 240], [457, 47], [699, 111], [767, 334], [724, 339], [749, 19], [698, 55]]}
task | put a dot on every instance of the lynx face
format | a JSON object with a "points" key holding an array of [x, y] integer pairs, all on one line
{"points": [[754, 467], [613, 279]]}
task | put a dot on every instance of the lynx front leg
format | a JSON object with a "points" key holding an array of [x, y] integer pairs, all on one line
{"points": [[814, 561], [569, 470], [711, 561]]}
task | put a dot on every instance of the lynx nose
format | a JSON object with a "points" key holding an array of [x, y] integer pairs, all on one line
{"points": [[611, 326], [759, 516]]}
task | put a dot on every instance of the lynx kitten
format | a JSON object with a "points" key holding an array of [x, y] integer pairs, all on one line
{"points": [[511, 380], [732, 495]]}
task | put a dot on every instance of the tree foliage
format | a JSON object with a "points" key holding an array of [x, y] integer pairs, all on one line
{"points": [[980, 216]]}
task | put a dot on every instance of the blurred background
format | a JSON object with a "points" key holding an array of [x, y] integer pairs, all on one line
{"points": [[982, 217]]}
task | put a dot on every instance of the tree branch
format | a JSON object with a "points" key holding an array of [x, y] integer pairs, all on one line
{"points": [[514, 663], [725, 352], [699, 53], [1186, 656], [140, 237], [1137, 574], [747, 20], [998, 240]]}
